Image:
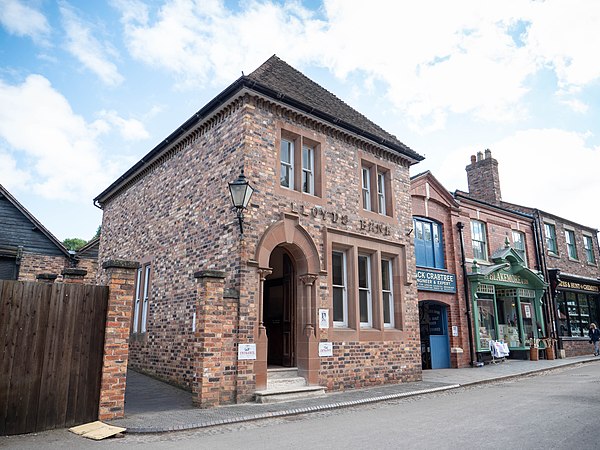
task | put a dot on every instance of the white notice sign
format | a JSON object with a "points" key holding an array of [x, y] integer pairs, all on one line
{"points": [[323, 318], [325, 349], [454, 330], [247, 351]]}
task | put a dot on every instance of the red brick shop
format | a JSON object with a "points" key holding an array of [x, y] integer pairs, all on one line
{"points": [[321, 281]]}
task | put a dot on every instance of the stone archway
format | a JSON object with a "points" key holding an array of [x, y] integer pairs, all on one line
{"points": [[289, 235]]}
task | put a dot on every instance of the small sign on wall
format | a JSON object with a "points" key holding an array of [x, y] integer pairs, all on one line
{"points": [[454, 330], [325, 349], [323, 318], [247, 351]]}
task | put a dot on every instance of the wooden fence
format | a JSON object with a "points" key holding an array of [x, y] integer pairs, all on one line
{"points": [[51, 348]]}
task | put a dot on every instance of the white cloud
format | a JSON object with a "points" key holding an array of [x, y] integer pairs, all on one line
{"points": [[38, 123], [553, 170], [436, 58], [202, 41], [130, 129], [576, 105], [11, 177], [87, 49], [22, 20]]}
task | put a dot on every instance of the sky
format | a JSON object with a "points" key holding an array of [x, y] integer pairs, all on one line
{"points": [[87, 88]]}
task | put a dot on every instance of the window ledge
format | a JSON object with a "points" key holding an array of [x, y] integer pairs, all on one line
{"points": [[553, 255], [573, 259]]}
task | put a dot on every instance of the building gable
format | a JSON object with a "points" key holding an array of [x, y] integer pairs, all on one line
{"points": [[19, 228]]}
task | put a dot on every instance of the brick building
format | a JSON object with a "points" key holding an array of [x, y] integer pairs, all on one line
{"points": [[322, 278], [477, 276], [567, 256], [27, 248]]}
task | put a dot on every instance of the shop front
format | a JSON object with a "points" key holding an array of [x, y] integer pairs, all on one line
{"points": [[507, 309], [578, 304]]}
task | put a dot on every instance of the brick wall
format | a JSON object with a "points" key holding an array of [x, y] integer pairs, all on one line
{"points": [[33, 264], [577, 347], [178, 217]]}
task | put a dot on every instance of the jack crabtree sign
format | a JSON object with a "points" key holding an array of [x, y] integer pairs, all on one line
{"points": [[428, 280]]}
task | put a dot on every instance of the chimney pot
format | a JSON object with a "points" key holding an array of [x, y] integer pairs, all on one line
{"points": [[479, 156], [473, 160], [488, 153]]}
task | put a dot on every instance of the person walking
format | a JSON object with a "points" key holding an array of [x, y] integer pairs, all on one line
{"points": [[595, 338]]}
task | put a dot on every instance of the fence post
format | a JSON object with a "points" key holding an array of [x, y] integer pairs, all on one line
{"points": [[121, 285], [208, 365]]}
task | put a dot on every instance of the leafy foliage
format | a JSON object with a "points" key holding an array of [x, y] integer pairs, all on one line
{"points": [[74, 243]]}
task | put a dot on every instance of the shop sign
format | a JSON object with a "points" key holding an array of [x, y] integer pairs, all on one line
{"points": [[325, 349], [335, 217], [580, 286], [507, 278], [428, 280], [247, 351], [318, 212]]}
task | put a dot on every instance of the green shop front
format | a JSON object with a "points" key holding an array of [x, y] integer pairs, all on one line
{"points": [[506, 304]]}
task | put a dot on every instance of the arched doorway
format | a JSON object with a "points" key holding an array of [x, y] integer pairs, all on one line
{"points": [[279, 300], [435, 343]]}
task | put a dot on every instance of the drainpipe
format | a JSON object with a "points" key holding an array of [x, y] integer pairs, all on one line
{"points": [[551, 307], [463, 262]]}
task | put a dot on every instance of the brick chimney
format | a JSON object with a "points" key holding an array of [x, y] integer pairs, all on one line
{"points": [[483, 178]]}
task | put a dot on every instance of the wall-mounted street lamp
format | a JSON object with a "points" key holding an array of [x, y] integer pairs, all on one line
{"points": [[241, 191]]}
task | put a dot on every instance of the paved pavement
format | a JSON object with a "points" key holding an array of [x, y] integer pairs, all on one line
{"points": [[154, 407]]}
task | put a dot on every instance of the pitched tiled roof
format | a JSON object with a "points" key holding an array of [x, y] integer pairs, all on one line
{"points": [[286, 81], [281, 82]]}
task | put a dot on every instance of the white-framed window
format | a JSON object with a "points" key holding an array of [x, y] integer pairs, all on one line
{"points": [[550, 232], [588, 245], [366, 188], [571, 245], [479, 240], [519, 244], [381, 201], [339, 283], [142, 298], [365, 302], [287, 164], [308, 170], [387, 293]]}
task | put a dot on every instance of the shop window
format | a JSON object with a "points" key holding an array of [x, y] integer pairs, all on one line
{"points": [[142, 295], [479, 240], [576, 311], [550, 232], [365, 304], [519, 245], [588, 245], [429, 245], [375, 188], [571, 246], [387, 294], [508, 320], [339, 282], [487, 320], [299, 164]]}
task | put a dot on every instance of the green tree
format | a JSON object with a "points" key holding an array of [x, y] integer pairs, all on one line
{"points": [[98, 231], [74, 243]]}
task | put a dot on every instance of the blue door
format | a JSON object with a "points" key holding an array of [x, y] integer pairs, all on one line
{"points": [[438, 337]]}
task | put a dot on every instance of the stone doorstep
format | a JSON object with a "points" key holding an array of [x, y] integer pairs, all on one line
{"points": [[291, 393], [283, 383], [282, 372]]}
